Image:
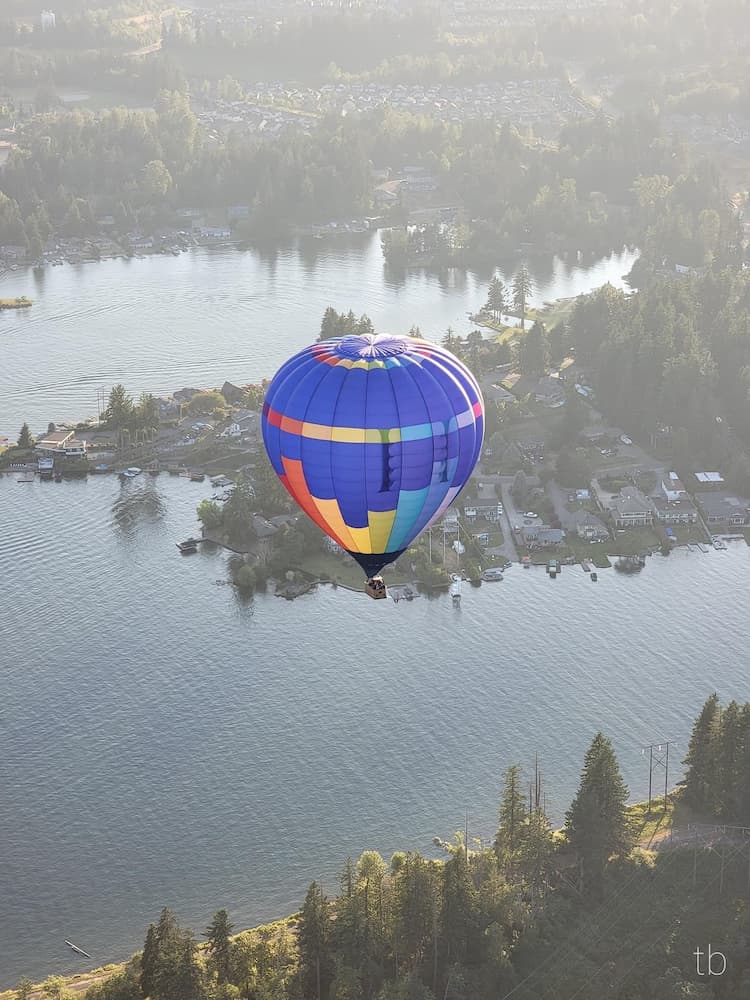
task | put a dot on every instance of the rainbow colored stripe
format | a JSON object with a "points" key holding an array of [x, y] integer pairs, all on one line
{"points": [[374, 437]]}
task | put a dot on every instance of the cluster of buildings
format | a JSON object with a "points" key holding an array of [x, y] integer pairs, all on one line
{"points": [[732, 133], [671, 504], [545, 101], [222, 117]]}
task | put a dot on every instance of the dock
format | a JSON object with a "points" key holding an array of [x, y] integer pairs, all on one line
{"points": [[20, 303]]}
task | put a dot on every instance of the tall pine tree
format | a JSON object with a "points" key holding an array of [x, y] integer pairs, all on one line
{"points": [[700, 760], [220, 946], [597, 822]]}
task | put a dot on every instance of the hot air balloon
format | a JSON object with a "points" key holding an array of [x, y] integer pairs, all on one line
{"points": [[374, 436]]}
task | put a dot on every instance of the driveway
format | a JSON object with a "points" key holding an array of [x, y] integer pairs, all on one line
{"points": [[508, 548]]}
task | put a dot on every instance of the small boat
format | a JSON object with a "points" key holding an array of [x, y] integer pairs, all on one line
{"points": [[133, 471], [493, 573], [100, 470], [77, 950], [594, 577], [197, 477], [188, 547]]}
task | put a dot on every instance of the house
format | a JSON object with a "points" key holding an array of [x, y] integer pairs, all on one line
{"points": [[587, 526], [54, 442], [233, 431], [541, 536], [167, 407], [387, 193], [723, 508], [672, 488], [12, 251], [232, 393], [214, 232], [709, 479], [631, 509], [675, 511], [185, 395], [62, 443], [490, 512], [494, 393]]}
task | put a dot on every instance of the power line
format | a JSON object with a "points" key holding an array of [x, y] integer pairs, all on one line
{"points": [[658, 756]]}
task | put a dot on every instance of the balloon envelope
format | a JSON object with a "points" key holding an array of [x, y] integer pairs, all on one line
{"points": [[374, 437]]}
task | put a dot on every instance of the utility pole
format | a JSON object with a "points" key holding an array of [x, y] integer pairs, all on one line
{"points": [[658, 756]]}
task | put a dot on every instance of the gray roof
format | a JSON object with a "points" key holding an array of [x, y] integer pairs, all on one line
{"points": [[723, 504]]}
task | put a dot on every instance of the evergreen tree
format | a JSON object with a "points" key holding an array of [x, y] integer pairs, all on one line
{"points": [[315, 945], [25, 439], [535, 852], [533, 351], [220, 947], [149, 962], [459, 912], [700, 760], [119, 408], [597, 823], [522, 289], [497, 298], [729, 754], [513, 816]]}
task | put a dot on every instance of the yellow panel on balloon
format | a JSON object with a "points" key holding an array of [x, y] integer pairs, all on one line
{"points": [[381, 522]]}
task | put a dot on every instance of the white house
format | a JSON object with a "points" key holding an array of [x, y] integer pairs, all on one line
{"points": [[673, 489]]}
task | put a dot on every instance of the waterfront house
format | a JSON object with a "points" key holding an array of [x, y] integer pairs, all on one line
{"points": [[724, 509], [541, 536], [214, 232], [387, 193], [675, 511], [631, 509], [672, 488], [62, 443], [232, 393], [12, 251], [586, 525]]}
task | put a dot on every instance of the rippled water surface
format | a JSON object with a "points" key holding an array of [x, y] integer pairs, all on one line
{"points": [[160, 323], [162, 742]]}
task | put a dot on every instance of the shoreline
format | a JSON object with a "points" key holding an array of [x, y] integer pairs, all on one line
{"points": [[654, 832]]}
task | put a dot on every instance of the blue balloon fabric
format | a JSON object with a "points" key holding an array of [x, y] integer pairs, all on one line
{"points": [[374, 436]]}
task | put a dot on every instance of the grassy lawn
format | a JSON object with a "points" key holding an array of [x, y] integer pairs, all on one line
{"points": [[557, 312], [689, 533], [653, 825], [596, 552], [632, 542]]}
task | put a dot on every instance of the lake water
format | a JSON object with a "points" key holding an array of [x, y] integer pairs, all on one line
{"points": [[160, 323], [164, 743]]}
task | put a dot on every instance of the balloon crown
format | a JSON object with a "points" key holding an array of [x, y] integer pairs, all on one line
{"points": [[370, 345]]}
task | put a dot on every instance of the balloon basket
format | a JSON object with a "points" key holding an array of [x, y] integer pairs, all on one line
{"points": [[375, 588]]}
